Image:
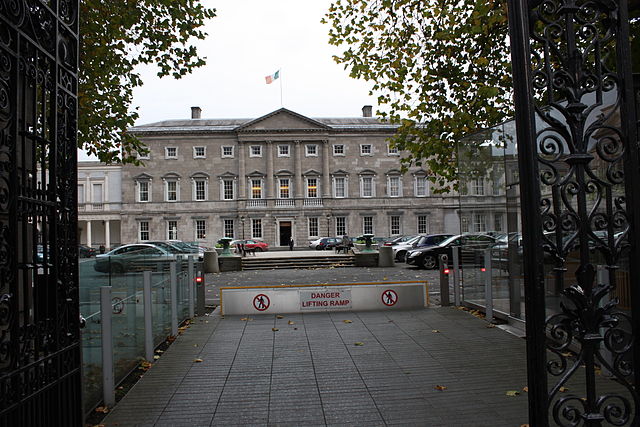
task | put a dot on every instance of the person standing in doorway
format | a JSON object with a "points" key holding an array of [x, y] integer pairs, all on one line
{"points": [[291, 243]]}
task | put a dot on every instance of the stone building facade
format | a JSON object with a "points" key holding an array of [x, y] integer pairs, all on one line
{"points": [[278, 176]]}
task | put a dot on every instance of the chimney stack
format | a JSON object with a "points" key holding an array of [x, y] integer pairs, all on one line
{"points": [[366, 111], [195, 112]]}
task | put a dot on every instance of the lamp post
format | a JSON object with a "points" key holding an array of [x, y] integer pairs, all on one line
{"points": [[328, 225]]}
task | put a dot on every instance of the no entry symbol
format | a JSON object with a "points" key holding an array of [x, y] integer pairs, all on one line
{"points": [[389, 297], [261, 302]]}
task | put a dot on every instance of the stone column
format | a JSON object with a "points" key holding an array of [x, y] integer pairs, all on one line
{"points": [[297, 171], [326, 182], [268, 182], [107, 235], [242, 183], [89, 233]]}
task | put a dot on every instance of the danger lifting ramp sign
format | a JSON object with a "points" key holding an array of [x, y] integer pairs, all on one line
{"points": [[335, 297]]}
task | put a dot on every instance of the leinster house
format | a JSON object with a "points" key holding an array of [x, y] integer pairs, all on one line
{"points": [[274, 177]]}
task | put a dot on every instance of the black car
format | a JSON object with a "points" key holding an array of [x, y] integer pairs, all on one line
{"points": [[420, 241], [471, 247], [86, 251]]}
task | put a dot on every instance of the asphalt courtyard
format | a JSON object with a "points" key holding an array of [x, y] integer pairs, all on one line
{"points": [[439, 366]]}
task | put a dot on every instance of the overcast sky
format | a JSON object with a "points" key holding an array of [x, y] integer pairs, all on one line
{"points": [[248, 40]]}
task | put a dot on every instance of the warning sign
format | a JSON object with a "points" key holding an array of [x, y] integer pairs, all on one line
{"points": [[261, 302], [325, 299], [389, 297]]}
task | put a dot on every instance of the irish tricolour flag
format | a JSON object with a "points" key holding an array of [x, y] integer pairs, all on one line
{"points": [[272, 77]]}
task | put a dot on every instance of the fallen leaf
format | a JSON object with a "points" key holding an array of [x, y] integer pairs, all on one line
{"points": [[275, 329], [102, 409], [279, 316], [195, 345], [291, 322], [563, 389], [244, 319], [196, 361], [435, 331], [441, 387], [358, 343], [524, 425], [156, 357], [159, 351], [491, 325], [347, 321], [513, 393], [525, 389]]}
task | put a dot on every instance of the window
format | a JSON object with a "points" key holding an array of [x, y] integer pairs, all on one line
{"points": [[80, 194], [392, 151], [479, 222], [283, 151], [143, 191], [170, 152], [313, 227], [338, 150], [366, 186], [464, 225], [143, 230], [227, 151], [199, 153], [341, 226], [478, 186], [171, 194], [395, 225], [144, 155], [311, 150], [228, 228], [256, 188], [96, 193], [256, 228], [172, 230], [200, 189], [284, 188], [339, 187], [367, 225], [255, 151], [497, 222], [201, 229], [423, 224], [366, 150], [312, 187], [227, 189], [422, 186], [394, 186]]}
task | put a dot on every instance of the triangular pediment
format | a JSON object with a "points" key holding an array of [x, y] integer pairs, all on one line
{"points": [[280, 120]]}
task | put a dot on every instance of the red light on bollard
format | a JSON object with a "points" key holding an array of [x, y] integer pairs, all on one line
{"points": [[483, 269], [199, 279], [446, 271]]}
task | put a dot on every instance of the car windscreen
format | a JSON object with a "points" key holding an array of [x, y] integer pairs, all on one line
{"points": [[453, 240]]}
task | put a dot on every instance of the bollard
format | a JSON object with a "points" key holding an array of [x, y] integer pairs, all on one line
{"points": [[211, 262], [108, 391], [488, 289], [173, 273], [385, 256], [456, 275], [200, 292], [191, 287], [443, 261], [148, 321]]}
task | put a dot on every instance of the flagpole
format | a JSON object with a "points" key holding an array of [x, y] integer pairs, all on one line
{"points": [[281, 105]]}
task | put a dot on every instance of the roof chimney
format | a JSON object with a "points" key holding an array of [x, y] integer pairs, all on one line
{"points": [[366, 111], [195, 112]]}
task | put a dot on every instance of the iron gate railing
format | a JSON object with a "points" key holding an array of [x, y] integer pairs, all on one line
{"points": [[39, 320], [578, 161]]}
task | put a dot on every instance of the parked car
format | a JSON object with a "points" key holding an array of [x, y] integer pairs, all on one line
{"points": [[177, 247], [398, 240], [252, 244], [135, 257], [85, 251], [400, 250], [471, 247], [325, 243]]}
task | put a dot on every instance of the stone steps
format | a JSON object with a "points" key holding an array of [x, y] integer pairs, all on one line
{"points": [[249, 263]]}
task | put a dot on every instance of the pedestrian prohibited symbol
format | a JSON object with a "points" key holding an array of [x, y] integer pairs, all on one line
{"points": [[389, 297], [261, 302]]}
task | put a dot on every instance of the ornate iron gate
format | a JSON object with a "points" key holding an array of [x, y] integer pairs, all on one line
{"points": [[40, 378], [578, 159]]}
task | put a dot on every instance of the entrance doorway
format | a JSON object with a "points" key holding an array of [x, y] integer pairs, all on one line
{"points": [[285, 232]]}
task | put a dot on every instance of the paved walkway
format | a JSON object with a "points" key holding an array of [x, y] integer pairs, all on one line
{"points": [[431, 367]]}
